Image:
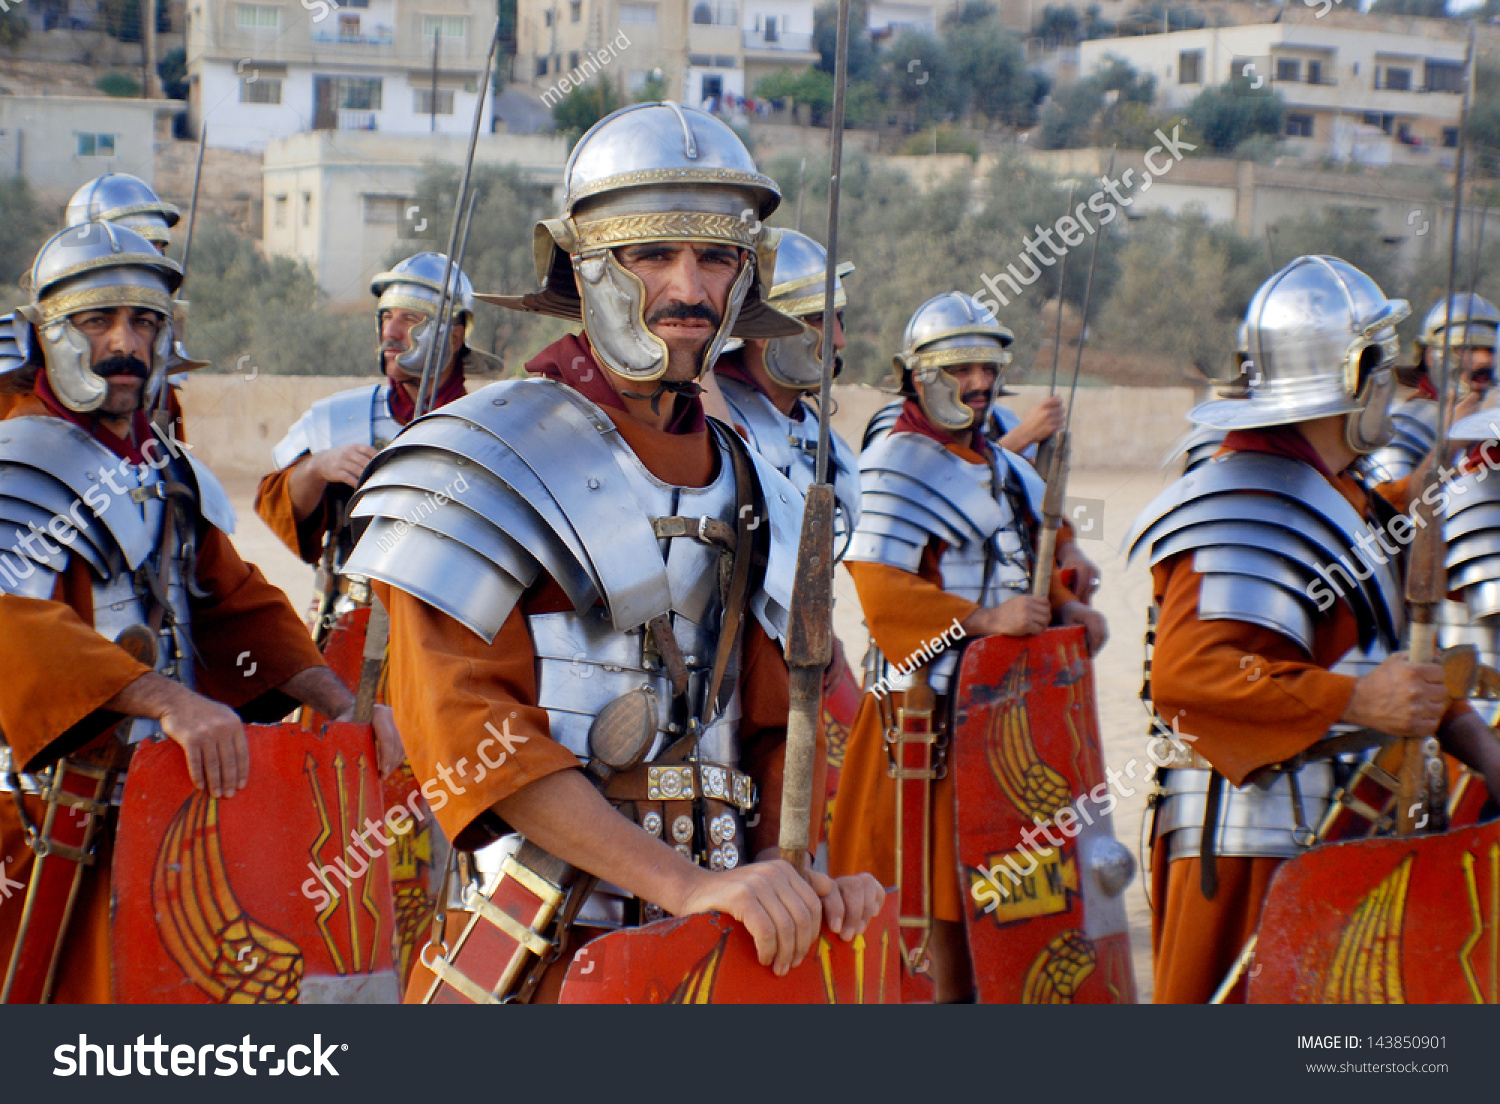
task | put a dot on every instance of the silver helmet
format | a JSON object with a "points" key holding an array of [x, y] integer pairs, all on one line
{"points": [[948, 329], [416, 284], [96, 266], [1321, 342], [1474, 322], [652, 173], [797, 290], [127, 200]]}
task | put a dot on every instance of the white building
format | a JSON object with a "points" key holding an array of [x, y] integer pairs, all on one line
{"points": [[272, 68], [59, 143], [339, 200], [1376, 95]]}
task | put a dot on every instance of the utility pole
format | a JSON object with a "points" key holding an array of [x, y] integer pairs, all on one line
{"points": [[148, 50], [437, 32]]}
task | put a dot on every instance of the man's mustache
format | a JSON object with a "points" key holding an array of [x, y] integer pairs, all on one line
{"points": [[972, 397], [687, 312], [122, 366]]}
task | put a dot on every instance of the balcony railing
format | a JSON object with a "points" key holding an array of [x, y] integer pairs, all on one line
{"points": [[790, 41], [378, 36], [356, 120]]}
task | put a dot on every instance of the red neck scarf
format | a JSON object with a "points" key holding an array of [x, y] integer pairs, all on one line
{"points": [[1425, 390], [126, 448], [914, 419], [571, 361], [1281, 440], [403, 406]]}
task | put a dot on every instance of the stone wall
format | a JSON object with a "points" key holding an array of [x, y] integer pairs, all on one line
{"points": [[234, 422]]}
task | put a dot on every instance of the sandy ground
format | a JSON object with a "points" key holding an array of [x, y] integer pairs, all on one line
{"points": [[1117, 497]]}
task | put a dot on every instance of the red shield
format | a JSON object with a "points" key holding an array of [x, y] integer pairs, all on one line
{"points": [[262, 898], [1388, 921], [1045, 918], [413, 857], [710, 959]]}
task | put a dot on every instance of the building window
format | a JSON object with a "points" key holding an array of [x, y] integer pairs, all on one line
{"points": [[348, 26], [1299, 126], [1190, 67], [1385, 121], [1450, 137], [1445, 76], [547, 18], [1397, 80], [448, 26], [306, 208], [572, 59], [421, 103], [1314, 72], [278, 210], [638, 14], [96, 145], [541, 67], [713, 85], [771, 30], [261, 90], [383, 210], [721, 13], [356, 93], [575, 11], [261, 18], [354, 3], [1288, 69]]}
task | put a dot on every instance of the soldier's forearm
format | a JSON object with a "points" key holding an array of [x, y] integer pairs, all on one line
{"points": [[149, 696], [1472, 742], [564, 815], [305, 488], [321, 689]]}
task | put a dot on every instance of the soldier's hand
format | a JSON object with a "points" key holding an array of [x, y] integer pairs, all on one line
{"points": [[1399, 697], [777, 907], [341, 465], [1076, 613], [1070, 559], [1043, 420], [213, 739], [388, 749], [850, 902], [1022, 615]]}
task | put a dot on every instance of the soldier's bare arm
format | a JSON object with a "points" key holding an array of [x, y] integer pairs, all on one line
{"points": [[1041, 422], [1022, 615], [323, 691], [1076, 613], [309, 477], [210, 734], [564, 815]]}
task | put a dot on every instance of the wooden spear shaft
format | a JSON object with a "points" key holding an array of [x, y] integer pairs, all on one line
{"points": [[809, 643]]}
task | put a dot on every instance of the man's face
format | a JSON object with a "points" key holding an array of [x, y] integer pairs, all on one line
{"points": [[120, 341], [1479, 370], [975, 384], [395, 339], [816, 322], [687, 292]]}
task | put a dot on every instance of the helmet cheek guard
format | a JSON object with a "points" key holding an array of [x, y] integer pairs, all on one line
{"points": [[796, 361], [68, 357], [1370, 378], [941, 399]]}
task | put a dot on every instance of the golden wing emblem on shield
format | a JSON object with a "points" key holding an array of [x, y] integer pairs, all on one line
{"points": [[1063, 965], [1367, 964], [228, 955], [1036, 789]]}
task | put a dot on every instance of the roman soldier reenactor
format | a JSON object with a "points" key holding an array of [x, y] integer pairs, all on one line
{"points": [[118, 572], [943, 552], [560, 551], [1276, 578], [771, 385], [305, 500], [1469, 329]]}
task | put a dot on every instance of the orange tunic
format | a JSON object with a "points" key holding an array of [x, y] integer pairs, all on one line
{"points": [[450, 690], [59, 674], [1244, 697], [904, 611]]}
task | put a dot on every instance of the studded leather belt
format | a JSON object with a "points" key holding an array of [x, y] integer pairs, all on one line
{"points": [[684, 782]]}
